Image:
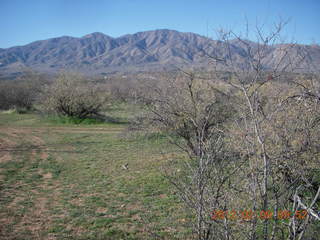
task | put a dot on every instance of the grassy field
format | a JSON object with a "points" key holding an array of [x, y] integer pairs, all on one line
{"points": [[64, 181]]}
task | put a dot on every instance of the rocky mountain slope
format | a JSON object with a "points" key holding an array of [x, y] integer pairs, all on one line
{"points": [[157, 50]]}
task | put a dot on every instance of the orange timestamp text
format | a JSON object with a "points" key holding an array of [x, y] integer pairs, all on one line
{"points": [[248, 215]]}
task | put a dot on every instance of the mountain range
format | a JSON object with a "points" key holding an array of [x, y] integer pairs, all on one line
{"points": [[157, 50]]}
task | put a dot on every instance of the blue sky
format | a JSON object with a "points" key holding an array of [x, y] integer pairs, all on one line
{"points": [[24, 21]]}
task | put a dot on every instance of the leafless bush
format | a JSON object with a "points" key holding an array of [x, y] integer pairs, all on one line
{"points": [[70, 95], [194, 113], [274, 130], [264, 157], [122, 88], [20, 93]]}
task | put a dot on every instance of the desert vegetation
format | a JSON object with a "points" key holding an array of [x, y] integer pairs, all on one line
{"points": [[249, 148], [22, 93], [231, 153], [72, 96]]}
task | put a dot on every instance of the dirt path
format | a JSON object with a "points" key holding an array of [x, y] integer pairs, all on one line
{"points": [[14, 136], [5, 143], [60, 129], [41, 195], [36, 219]]}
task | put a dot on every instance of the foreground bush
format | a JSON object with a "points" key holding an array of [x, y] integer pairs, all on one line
{"points": [[252, 144]]}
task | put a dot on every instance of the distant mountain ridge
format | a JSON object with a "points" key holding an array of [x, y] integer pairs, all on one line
{"points": [[156, 50]]}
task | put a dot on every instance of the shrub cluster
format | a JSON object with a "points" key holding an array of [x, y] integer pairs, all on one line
{"points": [[71, 95]]}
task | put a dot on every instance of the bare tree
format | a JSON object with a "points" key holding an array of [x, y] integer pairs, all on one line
{"points": [[263, 120], [194, 113], [263, 158], [72, 96], [21, 93]]}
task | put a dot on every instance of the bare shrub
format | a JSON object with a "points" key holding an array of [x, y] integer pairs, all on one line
{"points": [[263, 158], [278, 135], [70, 95], [20, 93], [194, 113]]}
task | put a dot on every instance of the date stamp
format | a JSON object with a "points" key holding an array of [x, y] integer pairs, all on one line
{"points": [[248, 215]]}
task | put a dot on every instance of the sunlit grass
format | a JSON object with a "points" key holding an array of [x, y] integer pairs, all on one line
{"points": [[70, 180]]}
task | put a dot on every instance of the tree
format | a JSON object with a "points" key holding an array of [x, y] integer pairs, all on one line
{"points": [[264, 157], [70, 95], [194, 113], [276, 133], [21, 93]]}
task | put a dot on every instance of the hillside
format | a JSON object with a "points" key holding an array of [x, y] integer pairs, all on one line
{"points": [[157, 50]]}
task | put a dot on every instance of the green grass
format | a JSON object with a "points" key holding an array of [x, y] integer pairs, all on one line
{"points": [[74, 120], [72, 183]]}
